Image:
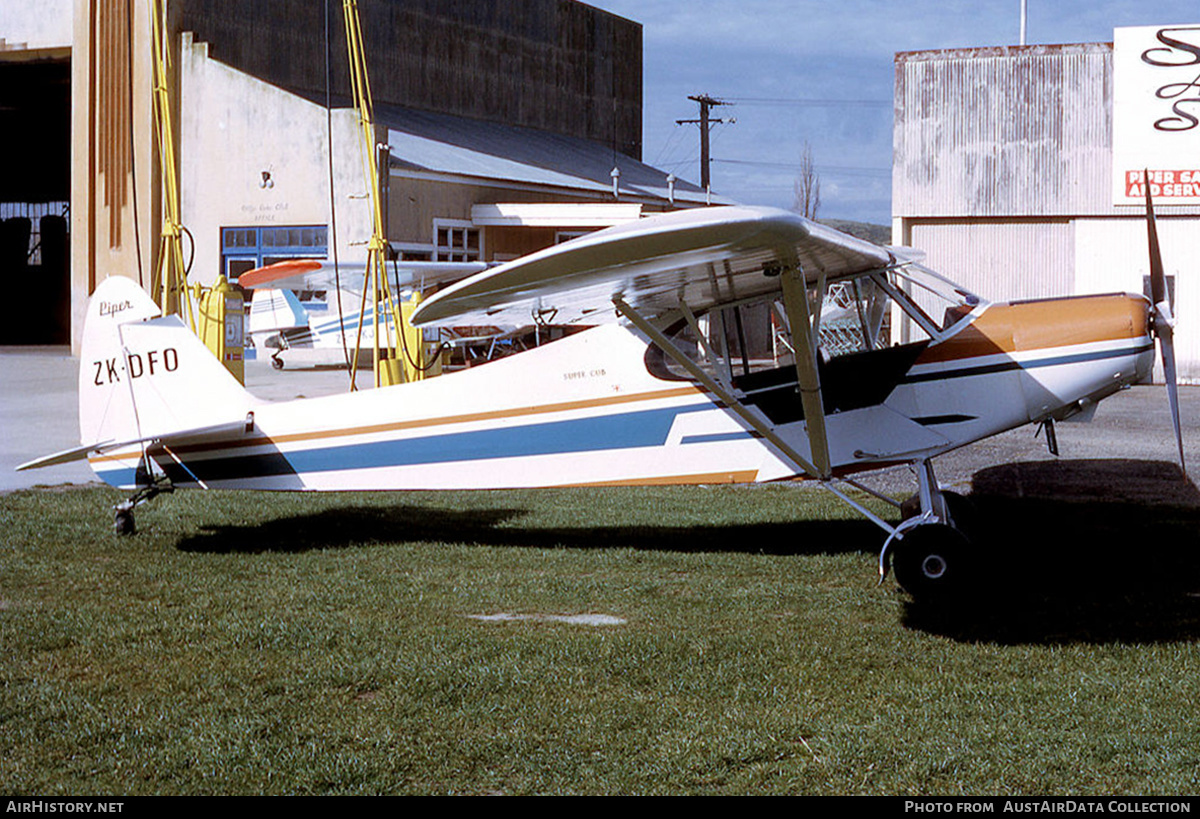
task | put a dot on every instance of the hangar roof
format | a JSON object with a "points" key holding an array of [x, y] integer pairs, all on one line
{"points": [[443, 145]]}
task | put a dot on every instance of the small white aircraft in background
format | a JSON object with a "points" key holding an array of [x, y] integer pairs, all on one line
{"points": [[642, 397], [306, 311]]}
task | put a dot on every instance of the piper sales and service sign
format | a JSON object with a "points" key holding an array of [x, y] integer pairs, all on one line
{"points": [[1156, 114]]}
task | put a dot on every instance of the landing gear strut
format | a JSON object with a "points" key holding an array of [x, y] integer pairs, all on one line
{"points": [[930, 551]]}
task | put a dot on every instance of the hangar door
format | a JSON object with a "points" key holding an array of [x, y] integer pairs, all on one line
{"points": [[1001, 260], [35, 173]]}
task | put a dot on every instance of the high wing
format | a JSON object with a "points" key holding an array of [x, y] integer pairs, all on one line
{"points": [[702, 257], [321, 274]]}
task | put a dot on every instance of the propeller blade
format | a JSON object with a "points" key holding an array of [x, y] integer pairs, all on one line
{"points": [[1166, 345], [1164, 321], [1158, 279]]}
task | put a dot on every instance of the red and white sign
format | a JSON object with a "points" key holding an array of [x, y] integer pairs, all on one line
{"points": [[1156, 114], [1163, 184]]}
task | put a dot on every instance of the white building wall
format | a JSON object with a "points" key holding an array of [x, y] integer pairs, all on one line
{"points": [[233, 127], [1001, 261], [28, 25]]}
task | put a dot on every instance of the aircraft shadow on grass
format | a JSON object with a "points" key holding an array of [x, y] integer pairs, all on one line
{"points": [[355, 526], [1078, 551], [1071, 550]]}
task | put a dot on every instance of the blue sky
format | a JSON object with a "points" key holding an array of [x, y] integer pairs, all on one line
{"points": [[822, 72]]}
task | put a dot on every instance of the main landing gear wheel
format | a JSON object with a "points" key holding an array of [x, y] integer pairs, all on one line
{"points": [[277, 362], [932, 561]]}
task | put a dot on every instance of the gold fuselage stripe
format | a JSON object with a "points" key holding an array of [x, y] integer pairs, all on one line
{"points": [[1044, 324]]}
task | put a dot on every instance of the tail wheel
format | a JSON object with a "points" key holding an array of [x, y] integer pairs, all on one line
{"points": [[123, 522], [932, 561]]}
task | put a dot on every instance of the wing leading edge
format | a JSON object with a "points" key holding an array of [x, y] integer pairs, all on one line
{"points": [[703, 257], [322, 274]]}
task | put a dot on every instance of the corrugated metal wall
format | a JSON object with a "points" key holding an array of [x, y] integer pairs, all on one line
{"points": [[1002, 261], [1003, 175], [1003, 132], [557, 65]]}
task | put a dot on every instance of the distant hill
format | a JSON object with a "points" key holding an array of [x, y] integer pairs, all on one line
{"points": [[879, 234]]}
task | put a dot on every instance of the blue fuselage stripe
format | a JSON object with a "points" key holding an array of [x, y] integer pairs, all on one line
{"points": [[606, 432], [625, 431]]}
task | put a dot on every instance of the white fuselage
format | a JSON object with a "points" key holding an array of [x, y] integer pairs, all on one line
{"points": [[586, 410]]}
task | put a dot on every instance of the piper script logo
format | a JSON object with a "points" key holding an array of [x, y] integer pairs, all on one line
{"points": [[108, 308], [1180, 48]]}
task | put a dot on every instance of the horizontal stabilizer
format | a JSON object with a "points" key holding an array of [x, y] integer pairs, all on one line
{"points": [[65, 457], [197, 435]]}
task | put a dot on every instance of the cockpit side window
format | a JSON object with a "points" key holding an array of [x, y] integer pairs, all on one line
{"points": [[873, 311], [854, 318]]}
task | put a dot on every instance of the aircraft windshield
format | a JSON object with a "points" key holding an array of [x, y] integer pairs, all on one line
{"points": [[931, 301]]}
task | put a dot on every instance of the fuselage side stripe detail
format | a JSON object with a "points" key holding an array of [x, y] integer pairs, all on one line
{"points": [[646, 428], [399, 426], [1005, 366]]}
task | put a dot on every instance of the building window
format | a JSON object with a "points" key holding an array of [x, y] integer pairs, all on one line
{"points": [[245, 248], [561, 236], [34, 212], [457, 241]]}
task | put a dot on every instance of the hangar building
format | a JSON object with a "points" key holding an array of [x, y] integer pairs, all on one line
{"points": [[1015, 169], [509, 125]]}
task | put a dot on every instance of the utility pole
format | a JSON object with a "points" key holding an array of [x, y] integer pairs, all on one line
{"points": [[705, 123]]}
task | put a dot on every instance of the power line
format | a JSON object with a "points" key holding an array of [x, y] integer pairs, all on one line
{"points": [[847, 170], [810, 102]]}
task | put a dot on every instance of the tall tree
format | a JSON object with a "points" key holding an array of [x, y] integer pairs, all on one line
{"points": [[806, 199]]}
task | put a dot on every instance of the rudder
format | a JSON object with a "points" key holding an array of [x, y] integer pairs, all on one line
{"points": [[142, 374]]}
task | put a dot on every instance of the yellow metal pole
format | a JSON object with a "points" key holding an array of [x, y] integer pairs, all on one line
{"points": [[386, 365], [169, 281]]}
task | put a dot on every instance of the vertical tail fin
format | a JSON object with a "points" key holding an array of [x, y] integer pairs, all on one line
{"points": [[142, 374], [275, 310]]}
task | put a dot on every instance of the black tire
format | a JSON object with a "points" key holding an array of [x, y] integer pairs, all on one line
{"points": [[123, 522], [932, 562], [277, 362]]}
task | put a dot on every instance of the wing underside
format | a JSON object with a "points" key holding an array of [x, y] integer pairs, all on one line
{"points": [[703, 257]]}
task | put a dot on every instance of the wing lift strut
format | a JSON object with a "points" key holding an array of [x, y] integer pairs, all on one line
{"points": [[803, 319]]}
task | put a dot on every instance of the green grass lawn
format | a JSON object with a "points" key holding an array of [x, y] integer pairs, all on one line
{"points": [[247, 643]]}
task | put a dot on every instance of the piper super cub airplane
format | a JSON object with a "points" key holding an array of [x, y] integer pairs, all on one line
{"points": [[641, 397]]}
